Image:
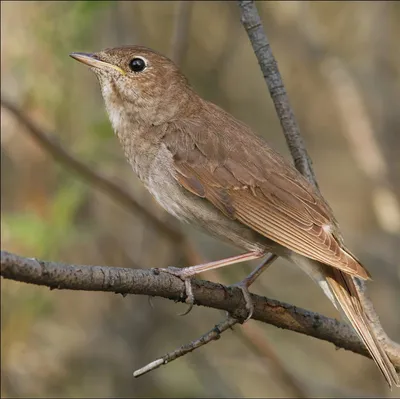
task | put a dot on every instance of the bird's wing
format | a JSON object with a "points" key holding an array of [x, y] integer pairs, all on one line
{"points": [[218, 158]]}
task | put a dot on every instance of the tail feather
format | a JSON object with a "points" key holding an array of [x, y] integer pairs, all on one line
{"points": [[346, 295], [342, 291]]}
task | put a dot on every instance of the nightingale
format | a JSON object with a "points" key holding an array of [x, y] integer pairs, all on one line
{"points": [[207, 168]]}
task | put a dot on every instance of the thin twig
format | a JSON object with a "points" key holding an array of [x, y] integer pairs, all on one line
{"points": [[209, 336], [151, 282], [181, 31]]}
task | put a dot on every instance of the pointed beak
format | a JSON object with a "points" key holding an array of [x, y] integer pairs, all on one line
{"points": [[93, 61]]}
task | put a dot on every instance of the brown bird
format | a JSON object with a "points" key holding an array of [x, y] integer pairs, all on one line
{"points": [[207, 168]]}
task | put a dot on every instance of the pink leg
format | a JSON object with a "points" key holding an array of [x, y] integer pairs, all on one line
{"points": [[187, 272], [193, 270]]}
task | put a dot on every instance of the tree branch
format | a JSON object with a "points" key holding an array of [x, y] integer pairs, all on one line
{"points": [[154, 282], [253, 25]]}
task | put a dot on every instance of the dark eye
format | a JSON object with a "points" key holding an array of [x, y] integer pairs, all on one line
{"points": [[137, 64]]}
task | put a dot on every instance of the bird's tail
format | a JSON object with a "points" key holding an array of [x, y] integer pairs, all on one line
{"points": [[342, 291]]}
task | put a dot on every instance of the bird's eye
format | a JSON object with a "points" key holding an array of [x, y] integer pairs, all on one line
{"points": [[137, 64]]}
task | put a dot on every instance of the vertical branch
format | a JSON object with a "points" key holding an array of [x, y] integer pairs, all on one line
{"points": [[252, 23]]}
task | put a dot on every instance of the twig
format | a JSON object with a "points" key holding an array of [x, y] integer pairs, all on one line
{"points": [[209, 336], [96, 179], [180, 37], [151, 282]]}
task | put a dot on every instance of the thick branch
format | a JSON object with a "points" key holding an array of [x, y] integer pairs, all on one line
{"points": [[154, 283]]}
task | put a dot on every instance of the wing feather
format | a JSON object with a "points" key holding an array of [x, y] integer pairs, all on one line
{"points": [[247, 181]]}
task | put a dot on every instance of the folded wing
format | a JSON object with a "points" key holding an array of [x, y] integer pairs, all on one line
{"points": [[247, 181]]}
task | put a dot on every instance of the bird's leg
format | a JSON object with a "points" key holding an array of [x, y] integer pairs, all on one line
{"points": [[249, 280], [186, 273]]}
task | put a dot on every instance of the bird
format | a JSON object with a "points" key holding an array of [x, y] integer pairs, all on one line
{"points": [[207, 168]]}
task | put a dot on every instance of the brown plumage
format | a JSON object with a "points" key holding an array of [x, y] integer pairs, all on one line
{"points": [[223, 161], [207, 168]]}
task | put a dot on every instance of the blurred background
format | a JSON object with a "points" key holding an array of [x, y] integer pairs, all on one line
{"points": [[340, 62]]}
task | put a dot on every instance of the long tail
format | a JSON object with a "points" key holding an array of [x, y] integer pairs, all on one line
{"points": [[342, 291], [346, 295]]}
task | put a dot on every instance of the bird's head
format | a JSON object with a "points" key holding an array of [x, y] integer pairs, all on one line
{"points": [[144, 83]]}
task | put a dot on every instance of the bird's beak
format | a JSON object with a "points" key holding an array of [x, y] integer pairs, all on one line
{"points": [[93, 61]]}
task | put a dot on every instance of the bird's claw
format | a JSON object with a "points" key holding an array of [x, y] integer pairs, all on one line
{"points": [[180, 273], [189, 296], [247, 299]]}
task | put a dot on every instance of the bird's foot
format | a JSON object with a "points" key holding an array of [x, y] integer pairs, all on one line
{"points": [[186, 273], [249, 280], [186, 276], [244, 287]]}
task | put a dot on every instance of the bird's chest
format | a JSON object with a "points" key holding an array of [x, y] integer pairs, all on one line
{"points": [[174, 198], [139, 151], [161, 183]]}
